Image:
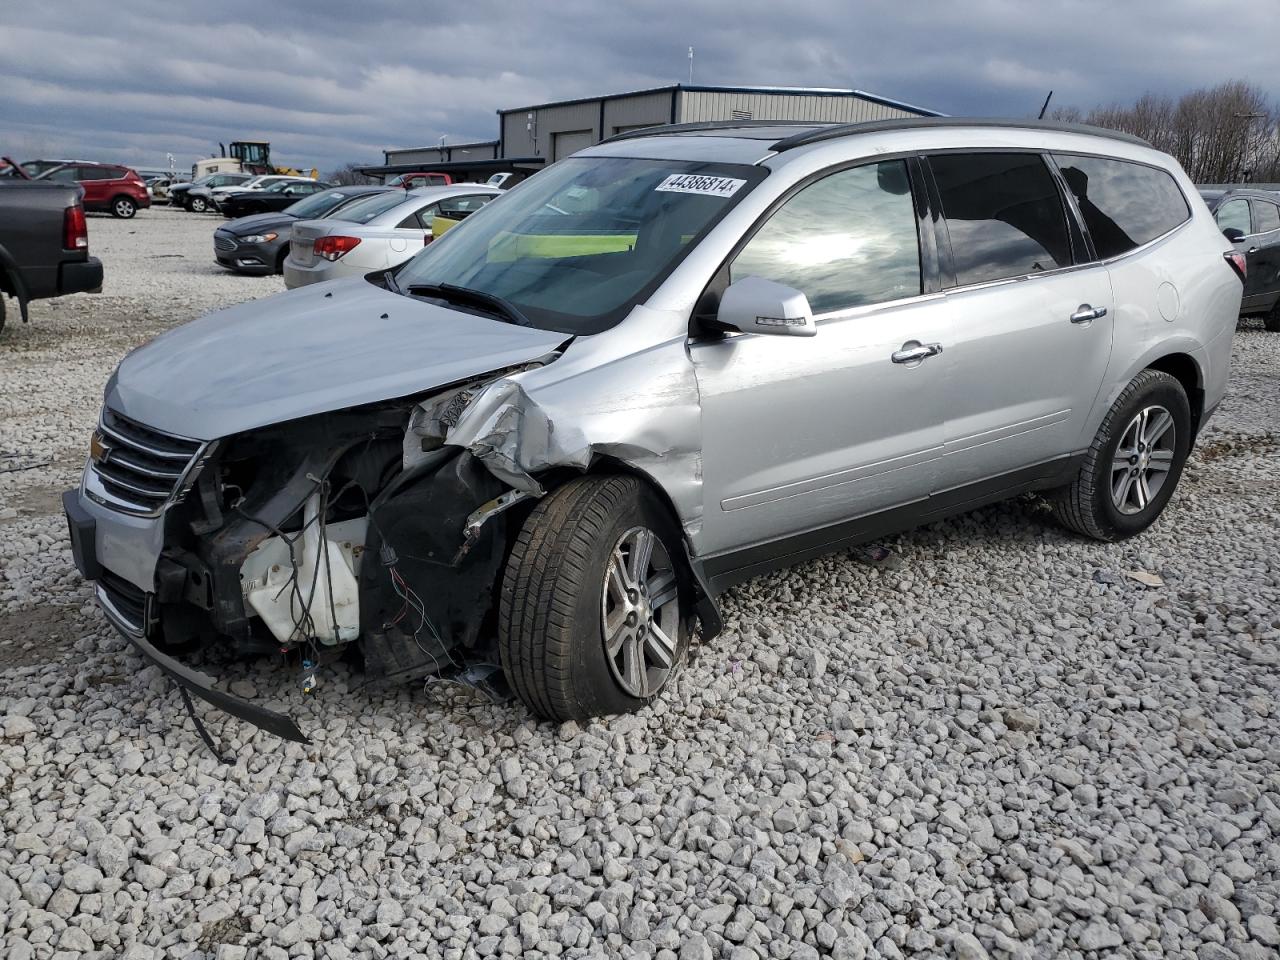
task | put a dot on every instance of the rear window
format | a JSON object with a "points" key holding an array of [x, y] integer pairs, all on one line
{"points": [[1124, 204], [362, 211], [1004, 215]]}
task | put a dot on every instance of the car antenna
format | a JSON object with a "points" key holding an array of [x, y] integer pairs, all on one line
{"points": [[1045, 105]]}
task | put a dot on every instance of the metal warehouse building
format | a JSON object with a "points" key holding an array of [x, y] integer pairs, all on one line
{"points": [[552, 131], [531, 137]]}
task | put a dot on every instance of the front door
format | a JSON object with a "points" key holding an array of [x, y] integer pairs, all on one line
{"points": [[1032, 318], [802, 433]]}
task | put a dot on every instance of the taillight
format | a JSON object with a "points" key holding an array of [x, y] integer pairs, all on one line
{"points": [[333, 248], [75, 231], [1238, 263]]}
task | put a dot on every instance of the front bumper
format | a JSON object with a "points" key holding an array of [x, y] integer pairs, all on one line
{"points": [[128, 608], [254, 258]]}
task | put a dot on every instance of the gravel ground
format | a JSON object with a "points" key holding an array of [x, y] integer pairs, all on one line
{"points": [[994, 743]]}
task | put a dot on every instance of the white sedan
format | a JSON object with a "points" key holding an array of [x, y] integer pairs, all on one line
{"points": [[377, 233]]}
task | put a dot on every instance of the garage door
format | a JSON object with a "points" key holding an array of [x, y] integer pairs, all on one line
{"points": [[571, 141]]}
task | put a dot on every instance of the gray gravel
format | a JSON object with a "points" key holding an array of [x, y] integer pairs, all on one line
{"points": [[994, 744]]}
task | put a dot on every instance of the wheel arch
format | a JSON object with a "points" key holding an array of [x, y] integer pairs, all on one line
{"points": [[1187, 371], [11, 281], [603, 465]]}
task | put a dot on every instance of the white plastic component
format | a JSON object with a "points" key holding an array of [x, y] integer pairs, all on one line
{"points": [[329, 592]]}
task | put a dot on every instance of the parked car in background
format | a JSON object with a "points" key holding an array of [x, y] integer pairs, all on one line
{"points": [[200, 202], [44, 243], [258, 244], [422, 178], [158, 187], [663, 365], [1250, 219], [255, 184], [107, 188], [375, 234], [34, 168], [273, 198]]}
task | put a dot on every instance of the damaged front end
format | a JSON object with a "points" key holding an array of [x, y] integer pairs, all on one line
{"points": [[320, 536]]}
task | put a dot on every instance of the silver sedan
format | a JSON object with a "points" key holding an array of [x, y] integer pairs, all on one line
{"points": [[376, 234]]}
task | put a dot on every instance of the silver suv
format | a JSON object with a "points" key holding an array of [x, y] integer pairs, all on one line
{"points": [[539, 449]]}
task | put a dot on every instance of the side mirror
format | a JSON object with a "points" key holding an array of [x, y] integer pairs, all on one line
{"points": [[1233, 234], [757, 305]]}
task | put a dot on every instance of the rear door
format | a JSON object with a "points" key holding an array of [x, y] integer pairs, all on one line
{"points": [[1263, 252], [1032, 317]]}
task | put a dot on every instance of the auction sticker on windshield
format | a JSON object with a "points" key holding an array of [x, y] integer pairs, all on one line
{"points": [[694, 183]]}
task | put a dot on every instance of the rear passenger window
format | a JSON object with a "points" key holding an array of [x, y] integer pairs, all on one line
{"points": [[1004, 215], [1123, 204], [845, 241], [1267, 215], [1234, 215]]}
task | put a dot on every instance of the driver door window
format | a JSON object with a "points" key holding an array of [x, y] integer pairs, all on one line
{"points": [[846, 241], [1234, 214]]}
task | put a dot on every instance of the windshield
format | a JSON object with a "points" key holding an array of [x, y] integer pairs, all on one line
{"points": [[362, 211], [575, 247], [316, 205]]}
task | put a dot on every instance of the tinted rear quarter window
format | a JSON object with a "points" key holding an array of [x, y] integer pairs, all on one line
{"points": [[1123, 204], [1004, 215]]}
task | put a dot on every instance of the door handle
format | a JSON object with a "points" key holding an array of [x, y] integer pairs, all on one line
{"points": [[1087, 314], [913, 351], [1253, 250]]}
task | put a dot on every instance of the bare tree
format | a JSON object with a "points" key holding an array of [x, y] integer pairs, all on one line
{"points": [[347, 175], [1229, 133]]}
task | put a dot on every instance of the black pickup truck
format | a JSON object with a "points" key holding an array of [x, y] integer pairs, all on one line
{"points": [[44, 243]]}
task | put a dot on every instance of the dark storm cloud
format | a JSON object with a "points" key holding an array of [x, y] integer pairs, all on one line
{"points": [[329, 81]]}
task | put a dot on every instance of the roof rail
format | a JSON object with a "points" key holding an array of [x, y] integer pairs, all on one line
{"points": [[675, 129], [834, 131]]}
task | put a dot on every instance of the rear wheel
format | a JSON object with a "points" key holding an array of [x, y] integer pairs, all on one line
{"points": [[123, 208], [1134, 463], [1271, 321], [596, 613]]}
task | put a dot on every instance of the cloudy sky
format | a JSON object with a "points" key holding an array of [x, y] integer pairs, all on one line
{"points": [[331, 81]]}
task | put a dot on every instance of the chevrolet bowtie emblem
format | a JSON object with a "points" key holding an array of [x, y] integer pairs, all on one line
{"points": [[98, 450]]}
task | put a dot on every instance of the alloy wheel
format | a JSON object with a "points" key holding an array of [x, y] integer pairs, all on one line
{"points": [[1142, 461], [640, 613]]}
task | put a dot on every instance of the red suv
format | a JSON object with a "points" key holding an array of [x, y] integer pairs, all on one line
{"points": [[117, 190]]}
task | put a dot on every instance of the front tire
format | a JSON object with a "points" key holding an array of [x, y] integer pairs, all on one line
{"points": [[1134, 463], [596, 608], [197, 205], [123, 208]]}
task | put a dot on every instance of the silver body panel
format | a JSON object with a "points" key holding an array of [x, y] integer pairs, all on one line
{"points": [[751, 438]]}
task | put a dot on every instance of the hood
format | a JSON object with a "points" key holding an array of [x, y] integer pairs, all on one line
{"points": [[319, 348], [257, 222]]}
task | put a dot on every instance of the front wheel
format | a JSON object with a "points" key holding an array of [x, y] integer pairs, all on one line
{"points": [[197, 205], [1134, 463], [596, 609], [123, 208]]}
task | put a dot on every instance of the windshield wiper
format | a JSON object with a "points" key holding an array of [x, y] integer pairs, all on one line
{"points": [[505, 309], [389, 281]]}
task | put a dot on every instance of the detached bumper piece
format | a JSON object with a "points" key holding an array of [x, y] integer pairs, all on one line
{"points": [[130, 611]]}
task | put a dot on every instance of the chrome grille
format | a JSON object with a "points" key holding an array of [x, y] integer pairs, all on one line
{"points": [[140, 468], [223, 243]]}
